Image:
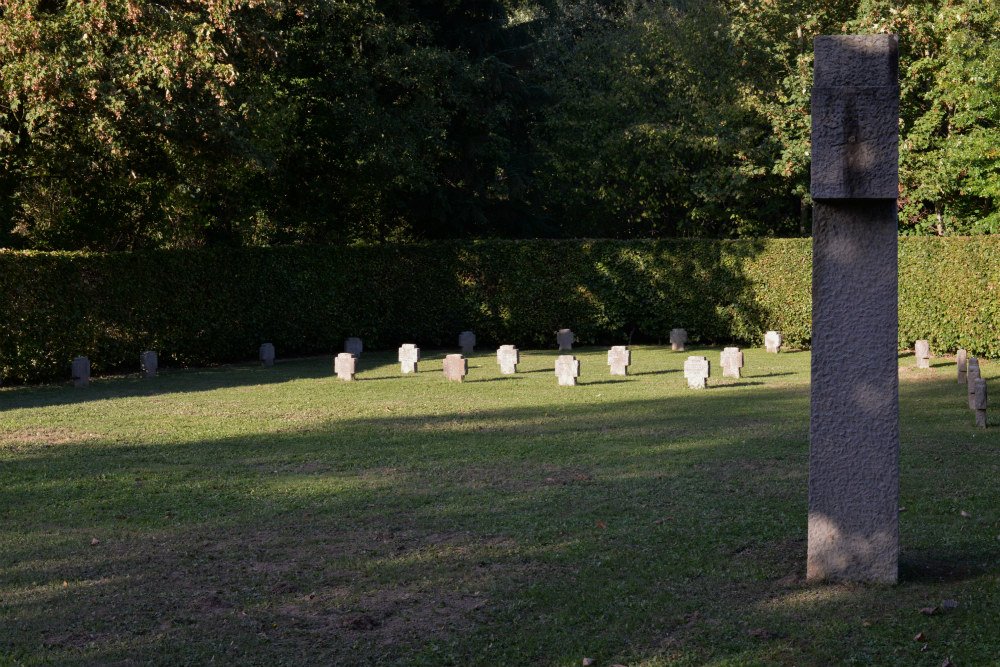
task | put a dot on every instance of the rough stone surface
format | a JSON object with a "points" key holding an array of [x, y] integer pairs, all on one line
{"points": [[353, 346], [80, 371], [455, 367], [678, 339], [345, 366], [697, 371], [731, 360], [148, 362], [467, 341], [970, 381], [508, 357], [773, 341], [267, 354], [565, 337], [922, 351], [962, 360], [980, 402], [409, 355], [619, 358], [855, 117], [567, 369]]}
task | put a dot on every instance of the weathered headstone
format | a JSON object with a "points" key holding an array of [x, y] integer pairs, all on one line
{"points": [[619, 358], [467, 341], [772, 341], [409, 355], [148, 361], [731, 361], [80, 371], [980, 404], [697, 370], [567, 369], [266, 354], [922, 351], [854, 393], [565, 337], [962, 359], [345, 365], [678, 339], [353, 346], [970, 382], [456, 367], [508, 357]]}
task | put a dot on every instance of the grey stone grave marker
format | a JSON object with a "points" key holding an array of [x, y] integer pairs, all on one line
{"points": [[80, 371], [508, 357], [567, 369], [467, 341], [409, 355], [922, 351], [773, 341], [731, 360], [854, 393], [970, 381], [148, 361], [565, 337], [697, 370], [980, 404], [345, 365], [962, 359], [267, 354], [619, 358], [353, 346], [678, 339], [456, 367]]}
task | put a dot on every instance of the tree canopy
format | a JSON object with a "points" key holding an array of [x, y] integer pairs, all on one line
{"points": [[129, 124]]}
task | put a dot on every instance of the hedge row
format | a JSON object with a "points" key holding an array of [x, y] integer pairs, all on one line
{"points": [[208, 306]]}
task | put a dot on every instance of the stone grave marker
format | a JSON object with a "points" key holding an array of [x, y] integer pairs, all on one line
{"points": [[345, 365], [678, 339], [565, 337], [353, 346], [772, 341], [80, 371], [619, 358], [508, 357], [148, 361], [731, 360], [962, 359], [854, 393], [567, 369], [980, 404], [697, 370], [456, 367], [971, 376], [266, 354], [409, 355], [922, 351], [467, 341]]}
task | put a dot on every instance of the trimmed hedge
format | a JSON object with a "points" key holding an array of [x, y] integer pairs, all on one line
{"points": [[208, 306]]}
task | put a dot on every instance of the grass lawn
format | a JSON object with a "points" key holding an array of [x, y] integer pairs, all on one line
{"points": [[251, 516]]}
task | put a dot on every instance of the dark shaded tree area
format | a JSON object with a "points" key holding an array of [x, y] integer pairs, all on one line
{"points": [[128, 124]]}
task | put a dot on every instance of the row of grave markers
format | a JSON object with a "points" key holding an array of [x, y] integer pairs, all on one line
{"points": [[968, 375]]}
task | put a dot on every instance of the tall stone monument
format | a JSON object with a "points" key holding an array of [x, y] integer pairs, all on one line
{"points": [[980, 405], [922, 351], [854, 407], [961, 357], [80, 371]]}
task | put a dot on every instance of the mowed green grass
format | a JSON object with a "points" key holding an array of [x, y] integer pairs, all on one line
{"points": [[279, 516]]}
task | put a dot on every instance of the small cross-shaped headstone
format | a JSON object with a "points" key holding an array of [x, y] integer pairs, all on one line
{"points": [[980, 402], [772, 341], [697, 371], [564, 337], [148, 362], [456, 367], [678, 339], [409, 355], [267, 354], [508, 357], [922, 351], [345, 366], [731, 361], [467, 341], [80, 370], [963, 365], [619, 358], [971, 376], [567, 369], [353, 346]]}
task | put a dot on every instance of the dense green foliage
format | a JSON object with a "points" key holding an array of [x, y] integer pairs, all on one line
{"points": [[204, 306], [128, 124]]}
